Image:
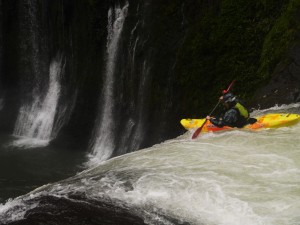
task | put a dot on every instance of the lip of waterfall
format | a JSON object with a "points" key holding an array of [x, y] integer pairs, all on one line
{"points": [[234, 177]]}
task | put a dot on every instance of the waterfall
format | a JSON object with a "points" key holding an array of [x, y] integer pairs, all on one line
{"points": [[134, 132], [46, 101], [143, 80], [103, 145], [35, 120], [124, 109], [138, 74], [141, 107]]}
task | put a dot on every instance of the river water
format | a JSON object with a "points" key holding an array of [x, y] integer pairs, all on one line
{"points": [[235, 177], [23, 169]]}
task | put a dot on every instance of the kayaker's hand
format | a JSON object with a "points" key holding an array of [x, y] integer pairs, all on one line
{"points": [[221, 98], [208, 117]]}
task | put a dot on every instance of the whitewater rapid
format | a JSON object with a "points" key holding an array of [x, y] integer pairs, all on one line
{"points": [[227, 178]]}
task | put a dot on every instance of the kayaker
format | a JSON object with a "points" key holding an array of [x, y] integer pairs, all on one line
{"points": [[236, 114]]}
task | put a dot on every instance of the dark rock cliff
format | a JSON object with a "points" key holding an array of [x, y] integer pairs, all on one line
{"points": [[190, 51], [281, 59]]}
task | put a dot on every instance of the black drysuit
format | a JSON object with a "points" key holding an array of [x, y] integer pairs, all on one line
{"points": [[231, 118]]}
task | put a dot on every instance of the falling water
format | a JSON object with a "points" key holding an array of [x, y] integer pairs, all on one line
{"points": [[35, 120], [139, 75], [103, 146], [142, 113]]}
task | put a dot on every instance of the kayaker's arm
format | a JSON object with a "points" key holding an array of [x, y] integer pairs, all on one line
{"points": [[215, 121], [229, 119]]}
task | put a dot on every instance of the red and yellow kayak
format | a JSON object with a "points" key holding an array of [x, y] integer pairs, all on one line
{"points": [[265, 121]]}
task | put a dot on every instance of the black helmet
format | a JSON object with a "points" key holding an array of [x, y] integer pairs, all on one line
{"points": [[229, 97]]}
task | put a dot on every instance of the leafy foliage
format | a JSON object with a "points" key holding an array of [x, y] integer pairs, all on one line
{"points": [[233, 39]]}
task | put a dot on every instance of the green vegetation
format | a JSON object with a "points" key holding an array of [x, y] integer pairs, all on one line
{"points": [[280, 38], [236, 39]]}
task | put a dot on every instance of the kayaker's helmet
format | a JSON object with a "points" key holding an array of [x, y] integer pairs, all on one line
{"points": [[229, 98]]}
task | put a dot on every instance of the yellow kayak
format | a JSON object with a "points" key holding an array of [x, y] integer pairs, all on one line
{"points": [[265, 121]]}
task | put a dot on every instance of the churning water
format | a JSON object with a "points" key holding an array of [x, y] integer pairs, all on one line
{"points": [[227, 178]]}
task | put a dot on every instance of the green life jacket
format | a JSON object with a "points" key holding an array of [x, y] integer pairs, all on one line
{"points": [[242, 110]]}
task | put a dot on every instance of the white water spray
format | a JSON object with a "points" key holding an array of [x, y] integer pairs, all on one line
{"points": [[35, 120], [229, 178], [103, 146]]}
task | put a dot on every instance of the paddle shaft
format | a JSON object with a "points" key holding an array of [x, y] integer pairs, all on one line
{"points": [[197, 132], [225, 91]]}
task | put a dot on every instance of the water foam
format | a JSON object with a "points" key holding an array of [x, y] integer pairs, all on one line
{"points": [[227, 178]]}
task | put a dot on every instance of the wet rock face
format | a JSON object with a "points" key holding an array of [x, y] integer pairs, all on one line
{"points": [[284, 87]]}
